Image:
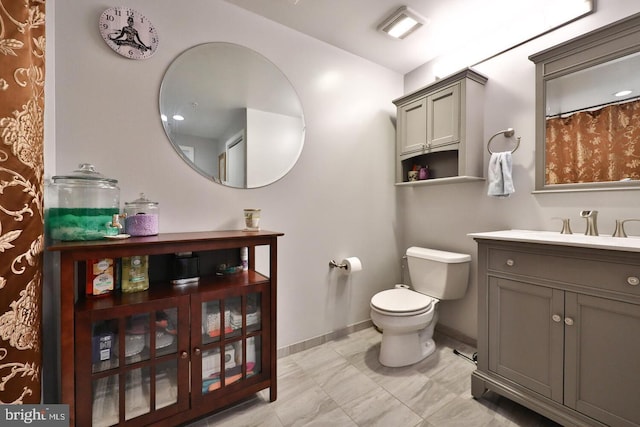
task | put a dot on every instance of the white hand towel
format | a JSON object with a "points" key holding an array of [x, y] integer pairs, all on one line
{"points": [[500, 179]]}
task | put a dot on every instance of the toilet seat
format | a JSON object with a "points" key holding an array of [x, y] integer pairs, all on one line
{"points": [[401, 302]]}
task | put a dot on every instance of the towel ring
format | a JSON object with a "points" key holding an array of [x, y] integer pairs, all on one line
{"points": [[507, 134]]}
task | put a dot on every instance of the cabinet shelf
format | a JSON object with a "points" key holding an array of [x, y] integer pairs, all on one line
{"points": [[163, 290], [171, 353], [440, 181]]}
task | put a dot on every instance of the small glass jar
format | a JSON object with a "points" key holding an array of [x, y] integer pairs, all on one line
{"points": [[142, 217]]}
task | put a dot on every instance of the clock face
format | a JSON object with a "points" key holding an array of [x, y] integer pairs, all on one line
{"points": [[128, 32]]}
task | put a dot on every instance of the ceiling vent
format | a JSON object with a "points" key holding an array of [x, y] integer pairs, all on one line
{"points": [[401, 23]]}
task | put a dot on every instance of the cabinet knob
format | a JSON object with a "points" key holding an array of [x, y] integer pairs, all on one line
{"points": [[633, 280], [568, 321], [184, 355], [511, 262], [197, 351], [556, 318]]}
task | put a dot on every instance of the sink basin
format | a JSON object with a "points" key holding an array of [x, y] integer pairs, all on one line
{"points": [[631, 244]]}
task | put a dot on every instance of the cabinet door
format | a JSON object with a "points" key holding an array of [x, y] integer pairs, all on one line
{"points": [[229, 345], [603, 359], [526, 335], [132, 363], [443, 117], [412, 126]]}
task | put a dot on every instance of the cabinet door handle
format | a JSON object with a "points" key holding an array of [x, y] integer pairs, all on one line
{"points": [[510, 262], [556, 318], [197, 351], [184, 355], [568, 321], [633, 280]]}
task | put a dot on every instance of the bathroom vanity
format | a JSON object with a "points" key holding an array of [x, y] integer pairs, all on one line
{"points": [[558, 322], [171, 353]]}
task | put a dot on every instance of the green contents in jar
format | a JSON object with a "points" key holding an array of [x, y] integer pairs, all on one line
{"points": [[135, 273], [79, 223]]}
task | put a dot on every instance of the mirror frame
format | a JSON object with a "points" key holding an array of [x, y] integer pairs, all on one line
{"points": [[610, 42]]}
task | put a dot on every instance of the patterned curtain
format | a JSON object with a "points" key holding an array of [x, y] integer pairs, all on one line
{"points": [[22, 48], [594, 146]]}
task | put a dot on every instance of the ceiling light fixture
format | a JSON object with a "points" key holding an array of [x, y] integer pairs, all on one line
{"points": [[622, 93], [401, 23]]}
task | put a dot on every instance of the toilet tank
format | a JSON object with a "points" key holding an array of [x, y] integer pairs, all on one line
{"points": [[439, 274]]}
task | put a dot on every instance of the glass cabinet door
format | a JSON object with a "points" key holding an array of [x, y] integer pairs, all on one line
{"points": [[231, 341], [136, 365]]}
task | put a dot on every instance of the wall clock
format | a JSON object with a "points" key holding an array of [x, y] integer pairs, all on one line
{"points": [[128, 32]]}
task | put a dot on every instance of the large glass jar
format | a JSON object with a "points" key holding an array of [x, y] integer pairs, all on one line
{"points": [[82, 205], [142, 216]]}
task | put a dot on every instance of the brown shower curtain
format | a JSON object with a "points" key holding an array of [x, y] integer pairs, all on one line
{"points": [[22, 48], [594, 146]]}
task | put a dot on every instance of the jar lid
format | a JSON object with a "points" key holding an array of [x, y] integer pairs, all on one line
{"points": [[87, 172], [142, 200]]}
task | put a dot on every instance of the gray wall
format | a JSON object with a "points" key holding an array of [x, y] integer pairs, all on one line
{"points": [[442, 216]]}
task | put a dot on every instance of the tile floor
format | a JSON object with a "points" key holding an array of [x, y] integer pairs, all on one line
{"points": [[342, 384]]}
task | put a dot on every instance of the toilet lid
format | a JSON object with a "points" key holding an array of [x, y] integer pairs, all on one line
{"points": [[400, 300]]}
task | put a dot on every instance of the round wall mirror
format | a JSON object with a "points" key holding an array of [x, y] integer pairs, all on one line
{"points": [[232, 115]]}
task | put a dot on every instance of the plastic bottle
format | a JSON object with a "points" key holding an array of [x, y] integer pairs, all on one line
{"points": [[135, 273], [244, 258]]}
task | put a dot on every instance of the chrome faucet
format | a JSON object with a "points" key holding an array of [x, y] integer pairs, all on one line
{"points": [[619, 232], [592, 222]]}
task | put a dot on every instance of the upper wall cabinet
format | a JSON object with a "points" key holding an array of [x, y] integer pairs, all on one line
{"points": [[440, 130], [587, 104]]}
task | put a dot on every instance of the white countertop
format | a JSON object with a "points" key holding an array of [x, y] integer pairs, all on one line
{"points": [[630, 244]]}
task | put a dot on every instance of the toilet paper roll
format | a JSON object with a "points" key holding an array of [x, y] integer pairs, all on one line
{"points": [[353, 264]]}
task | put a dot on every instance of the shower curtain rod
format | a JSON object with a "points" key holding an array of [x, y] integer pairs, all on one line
{"points": [[606, 104]]}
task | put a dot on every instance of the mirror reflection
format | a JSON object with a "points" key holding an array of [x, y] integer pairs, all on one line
{"points": [[232, 115], [592, 131]]}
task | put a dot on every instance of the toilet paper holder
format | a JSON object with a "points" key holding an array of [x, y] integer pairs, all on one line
{"points": [[349, 264], [334, 264]]}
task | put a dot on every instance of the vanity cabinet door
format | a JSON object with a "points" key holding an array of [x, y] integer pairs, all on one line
{"points": [[526, 335], [443, 117], [412, 126], [602, 373]]}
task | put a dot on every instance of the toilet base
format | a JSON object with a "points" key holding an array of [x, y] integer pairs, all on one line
{"points": [[398, 350], [400, 347]]}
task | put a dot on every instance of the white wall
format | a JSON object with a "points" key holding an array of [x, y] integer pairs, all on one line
{"points": [[338, 201], [442, 216], [273, 145], [205, 151]]}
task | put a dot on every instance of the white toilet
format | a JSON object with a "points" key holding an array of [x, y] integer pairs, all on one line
{"points": [[407, 317]]}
